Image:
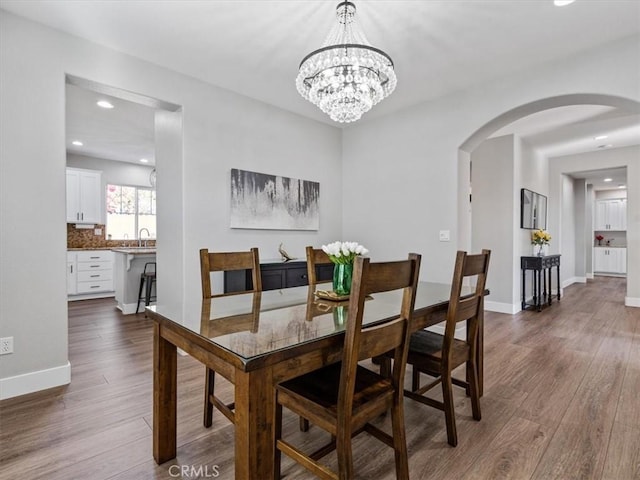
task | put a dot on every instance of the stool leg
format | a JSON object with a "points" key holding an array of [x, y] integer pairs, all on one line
{"points": [[147, 296], [140, 293]]}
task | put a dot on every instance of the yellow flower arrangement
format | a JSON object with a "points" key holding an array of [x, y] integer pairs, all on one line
{"points": [[540, 237]]}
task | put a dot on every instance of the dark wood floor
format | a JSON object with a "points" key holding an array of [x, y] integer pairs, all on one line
{"points": [[561, 402]]}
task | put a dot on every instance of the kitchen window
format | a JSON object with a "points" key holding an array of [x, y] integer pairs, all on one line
{"points": [[130, 209]]}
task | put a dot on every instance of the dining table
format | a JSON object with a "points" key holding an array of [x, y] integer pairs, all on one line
{"points": [[257, 340]]}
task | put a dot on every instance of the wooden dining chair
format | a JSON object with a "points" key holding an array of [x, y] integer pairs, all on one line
{"points": [[344, 397], [315, 258], [223, 262], [437, 355]]}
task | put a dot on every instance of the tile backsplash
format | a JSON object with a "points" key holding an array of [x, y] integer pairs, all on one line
{"points": [[86, 238]]}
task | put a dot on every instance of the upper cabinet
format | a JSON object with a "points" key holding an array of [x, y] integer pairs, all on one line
{"points": [[611, 215], [84, 196]]}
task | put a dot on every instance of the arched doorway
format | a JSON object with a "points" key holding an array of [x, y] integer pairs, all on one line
{"points": [[510, 284]]}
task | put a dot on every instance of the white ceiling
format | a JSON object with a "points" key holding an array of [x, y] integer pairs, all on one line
{"points": [[124, 133], [596, 178], [438, 46]]}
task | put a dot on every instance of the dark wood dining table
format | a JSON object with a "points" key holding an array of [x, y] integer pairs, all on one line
{"points": [[257, 340]]}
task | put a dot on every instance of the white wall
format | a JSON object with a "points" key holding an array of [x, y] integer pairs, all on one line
{"points": [[221, 130], [580, 220], [534, 176], [406, 164], [567, 231], [589, 238], [493, 213]]}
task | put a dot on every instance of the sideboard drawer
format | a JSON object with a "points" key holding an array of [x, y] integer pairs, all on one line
{"points": [[297, 277]]}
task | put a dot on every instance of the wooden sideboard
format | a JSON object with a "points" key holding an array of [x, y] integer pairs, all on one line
{"points": [[275, 275]]}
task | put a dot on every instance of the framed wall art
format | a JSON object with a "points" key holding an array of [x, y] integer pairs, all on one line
{"points": [[272, 202]]}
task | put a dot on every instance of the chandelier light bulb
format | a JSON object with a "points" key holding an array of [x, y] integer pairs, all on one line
{"points": [[346, 76]]}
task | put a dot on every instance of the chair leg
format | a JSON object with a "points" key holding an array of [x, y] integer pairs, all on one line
{"points": [[209, 384], [345, 455], [399, 439], [304, 424], [449, 413], [385, 366], [140, 293], [415, 379], [277, 429], [472, 375]]}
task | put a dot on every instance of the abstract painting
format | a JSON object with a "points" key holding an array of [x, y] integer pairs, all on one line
{"points": [[272, 202]]}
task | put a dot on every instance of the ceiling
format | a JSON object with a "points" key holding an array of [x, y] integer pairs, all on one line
{"points": [[438, 47], [124, 133], [597, 178]]}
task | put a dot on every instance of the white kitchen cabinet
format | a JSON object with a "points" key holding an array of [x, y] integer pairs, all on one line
{"points": [[610, 260], [72, 270], [84, 196], [93, 272], [611, 215]]}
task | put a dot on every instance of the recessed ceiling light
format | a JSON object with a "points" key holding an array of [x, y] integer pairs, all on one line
{"points": [[144, 160], [104, 104], [608, 179], [608, 145], [77, 143], [622, 186], [600, 137], [562, 3]]}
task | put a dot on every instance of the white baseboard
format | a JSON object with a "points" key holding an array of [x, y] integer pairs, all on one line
{"points": [[572, 280], [130, 308], [501, 307], [35, 381], [90, 296], [632, 301]]}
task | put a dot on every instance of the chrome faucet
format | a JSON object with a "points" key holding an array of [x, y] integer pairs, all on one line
{"points": [[140, 237]]}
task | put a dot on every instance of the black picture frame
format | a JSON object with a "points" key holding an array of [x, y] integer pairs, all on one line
{"points": [[533, 210]]}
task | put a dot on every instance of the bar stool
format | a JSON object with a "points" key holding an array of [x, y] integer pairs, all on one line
{"points": [[147, 279]]}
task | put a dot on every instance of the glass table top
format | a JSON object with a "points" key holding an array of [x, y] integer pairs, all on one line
{"points": [[255, 324]]}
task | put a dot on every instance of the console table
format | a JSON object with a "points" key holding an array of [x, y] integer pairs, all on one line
{"points": [[275, 274], [542, 268]]}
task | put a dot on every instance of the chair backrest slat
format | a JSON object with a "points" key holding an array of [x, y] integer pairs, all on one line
{"points": [[466, 307], [315, 257], [381, 339], [229, 261], [359, 343]]}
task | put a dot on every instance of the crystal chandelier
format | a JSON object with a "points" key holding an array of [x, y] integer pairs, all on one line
{"points": [[346, 76]]}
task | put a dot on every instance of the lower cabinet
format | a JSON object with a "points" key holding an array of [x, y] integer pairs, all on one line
{"points": [[275, 275], [610, 260], [72, 271], [92, 272]]}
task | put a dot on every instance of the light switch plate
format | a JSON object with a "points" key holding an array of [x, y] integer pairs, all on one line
{"points": [[97, 231], [444, 235], [6, 345]]}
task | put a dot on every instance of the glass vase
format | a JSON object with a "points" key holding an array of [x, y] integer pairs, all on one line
{"points": [[342, 278]]}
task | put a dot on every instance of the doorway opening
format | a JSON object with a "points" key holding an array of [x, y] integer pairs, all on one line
{"points": [[550, 173]]}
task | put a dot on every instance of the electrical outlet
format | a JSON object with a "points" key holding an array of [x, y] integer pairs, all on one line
{"points": [[6, 345]]}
